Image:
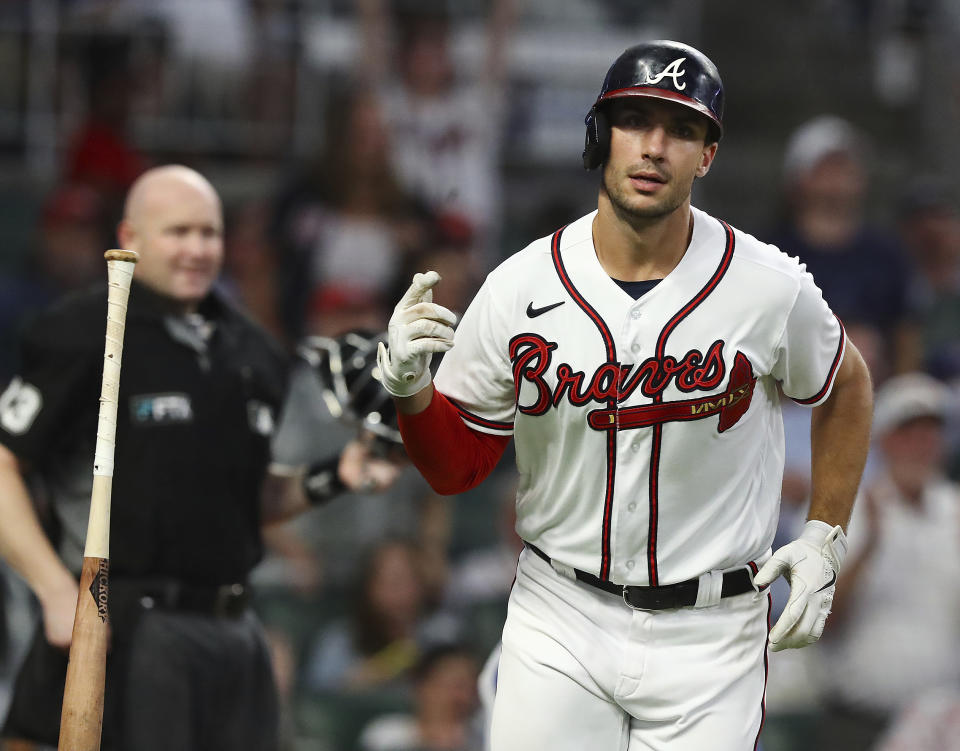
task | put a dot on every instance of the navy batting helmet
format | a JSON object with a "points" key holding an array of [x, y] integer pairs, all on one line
{"points": [[346, 367], [663, 70]]}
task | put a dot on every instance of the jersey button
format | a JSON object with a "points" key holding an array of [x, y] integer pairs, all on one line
{"points": [[636, 445], [635, 314], [635, 347], [630, 565], [632, 507]]}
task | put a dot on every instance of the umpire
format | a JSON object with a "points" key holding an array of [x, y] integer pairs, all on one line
{"points": [[200, 390]]}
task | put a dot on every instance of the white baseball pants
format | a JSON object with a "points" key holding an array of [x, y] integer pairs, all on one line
{"points": [[582, 670]]}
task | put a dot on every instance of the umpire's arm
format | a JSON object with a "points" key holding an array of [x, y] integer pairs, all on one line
{"points": [[288, 491], [25, 546]]}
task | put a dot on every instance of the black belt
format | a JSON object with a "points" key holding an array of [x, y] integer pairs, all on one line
{"points": [[668, 597], [171, 594]]}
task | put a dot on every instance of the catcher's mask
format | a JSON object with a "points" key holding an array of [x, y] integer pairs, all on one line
{"points": [[346, 367]]}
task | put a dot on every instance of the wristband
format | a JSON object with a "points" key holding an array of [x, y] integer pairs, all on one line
{"points": [[322, 482], [402, 384], [829, 539]]}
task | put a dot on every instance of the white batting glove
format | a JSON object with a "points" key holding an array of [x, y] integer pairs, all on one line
{"points": [[417, 329], [811, 564]]}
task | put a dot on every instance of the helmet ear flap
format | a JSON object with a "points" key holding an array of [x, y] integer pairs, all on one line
{"points": [[597, 142]]}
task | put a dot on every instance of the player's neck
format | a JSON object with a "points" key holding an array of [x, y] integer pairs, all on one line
{"points": [[635, 252]]}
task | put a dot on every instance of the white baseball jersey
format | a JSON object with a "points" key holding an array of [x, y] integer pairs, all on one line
{"points": [[648, 432]]}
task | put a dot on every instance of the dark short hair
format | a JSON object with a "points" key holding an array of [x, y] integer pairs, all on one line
{"points": [[437, 654]]}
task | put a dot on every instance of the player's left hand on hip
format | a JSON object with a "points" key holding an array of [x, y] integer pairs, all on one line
{"points": [[811, 564], [418, 328]]}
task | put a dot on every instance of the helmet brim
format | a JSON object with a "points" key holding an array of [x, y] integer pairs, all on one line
{"points": [[652, 92]]}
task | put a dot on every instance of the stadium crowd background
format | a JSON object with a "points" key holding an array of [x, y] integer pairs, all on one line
{"points": [[355, 141]]}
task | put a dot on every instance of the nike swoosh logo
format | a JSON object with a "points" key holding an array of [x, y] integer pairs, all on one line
{"points": [[533, 312], [833, 580]]}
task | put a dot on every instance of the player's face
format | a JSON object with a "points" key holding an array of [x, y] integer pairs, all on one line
{"points": [[179, 236], [657, 149]]}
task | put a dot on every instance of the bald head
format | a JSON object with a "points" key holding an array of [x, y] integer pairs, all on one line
{"points": [[174, 220], [161, 181]]}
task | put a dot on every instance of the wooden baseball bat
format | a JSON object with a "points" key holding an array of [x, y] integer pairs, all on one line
{"points": [[82, 718]]}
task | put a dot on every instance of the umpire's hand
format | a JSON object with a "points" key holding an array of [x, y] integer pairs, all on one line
{"points": [[811, 564], [361, 471], [59, 606], [418, 328]]}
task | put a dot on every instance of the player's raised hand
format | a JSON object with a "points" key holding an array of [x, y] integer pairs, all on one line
{"points": [[418, 328], [811, 564]]}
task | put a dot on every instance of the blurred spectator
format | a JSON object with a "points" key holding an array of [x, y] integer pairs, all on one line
{"points": [[444, 128], [445, 704], [343, 226], [99, 152], [861, 269], [898, 30], [387, 631], [930, 227], [435, 531], [482, 577], [250, 265], [931, 723], [274, 74], [72, 239], [68, 255], [896, 614], [485, 575], [283, 661], [213, 47], [451, 261]]}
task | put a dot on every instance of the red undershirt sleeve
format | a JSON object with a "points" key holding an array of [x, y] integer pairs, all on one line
{"points": [[452, 457]]}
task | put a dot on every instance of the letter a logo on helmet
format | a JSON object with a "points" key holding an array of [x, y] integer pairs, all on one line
{"points": [[661, 69], [673, 71]]}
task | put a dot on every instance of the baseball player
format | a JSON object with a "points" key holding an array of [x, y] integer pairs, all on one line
{"points": [[636, 355]]}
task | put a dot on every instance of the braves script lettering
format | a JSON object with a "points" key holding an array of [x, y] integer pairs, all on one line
{"points": [[611, 383], [673, 71]]}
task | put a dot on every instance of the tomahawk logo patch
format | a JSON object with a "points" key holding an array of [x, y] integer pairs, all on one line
{"points": [[161, 409], [674, 71]]}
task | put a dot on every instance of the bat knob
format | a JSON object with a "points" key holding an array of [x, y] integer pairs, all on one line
{"points": [[131, 256]]}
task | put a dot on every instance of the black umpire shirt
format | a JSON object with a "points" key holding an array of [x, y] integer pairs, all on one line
{"points": [[199, 395]]}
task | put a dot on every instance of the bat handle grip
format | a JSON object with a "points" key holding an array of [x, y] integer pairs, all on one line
{"points": [[120, 264]]}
